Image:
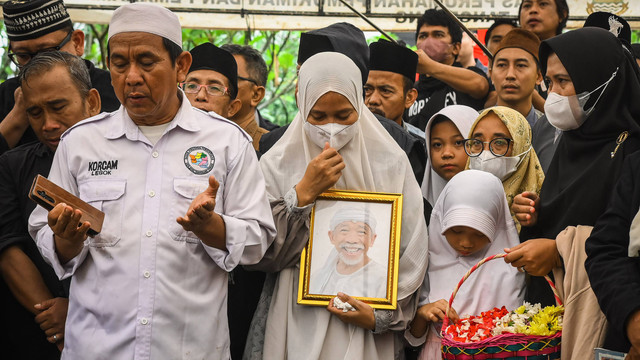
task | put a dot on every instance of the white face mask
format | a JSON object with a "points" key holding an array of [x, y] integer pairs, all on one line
{"points": [[500, 166], [337, 135], [567, 112]]}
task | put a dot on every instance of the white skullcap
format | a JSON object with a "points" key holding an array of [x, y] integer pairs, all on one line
{"points": [[355, 214], [148, 18]]}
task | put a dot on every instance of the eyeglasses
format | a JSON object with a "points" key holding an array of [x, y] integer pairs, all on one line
{"points": [[497, 146], [213, 90], [247, 79], [22, 58]]}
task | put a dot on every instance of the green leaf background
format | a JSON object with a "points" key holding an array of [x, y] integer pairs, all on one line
{"points": [[279, 50]]}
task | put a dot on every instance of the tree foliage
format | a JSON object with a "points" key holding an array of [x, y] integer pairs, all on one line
{"points": [[278, 48]]}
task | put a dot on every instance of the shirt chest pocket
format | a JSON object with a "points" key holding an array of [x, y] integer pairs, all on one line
{"points": [[106, 196], [185, 191]]}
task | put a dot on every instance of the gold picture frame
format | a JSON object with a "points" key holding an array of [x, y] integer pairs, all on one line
{"points": [[381, 215]]}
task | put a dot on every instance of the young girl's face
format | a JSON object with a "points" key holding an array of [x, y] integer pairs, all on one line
{"points": [[447, 149], [466, 240]]}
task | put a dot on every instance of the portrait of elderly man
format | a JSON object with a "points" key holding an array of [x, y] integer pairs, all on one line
{"points": [[349, 267]]}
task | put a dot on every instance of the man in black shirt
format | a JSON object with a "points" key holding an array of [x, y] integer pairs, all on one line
{"points": [[57, 93], [443, 81], [33, 27]]}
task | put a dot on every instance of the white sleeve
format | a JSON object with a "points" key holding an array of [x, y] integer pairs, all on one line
{"points": [[247, 214]]}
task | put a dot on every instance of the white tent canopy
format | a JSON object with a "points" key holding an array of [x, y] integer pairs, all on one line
{"points": [[390, 15]]}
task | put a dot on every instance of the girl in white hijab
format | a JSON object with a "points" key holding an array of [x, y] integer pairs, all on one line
{"points": [[335, 142], [445, 134], [469, 222]]}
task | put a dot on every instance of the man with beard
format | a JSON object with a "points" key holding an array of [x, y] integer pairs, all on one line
{"points": [[57, 93], [348, 268], [443, 81], [389, 89]]}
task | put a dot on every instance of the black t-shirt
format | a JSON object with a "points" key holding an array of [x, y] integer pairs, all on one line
{"points": [[18, 167], [613, 275], [100, 80], [433, 95]]}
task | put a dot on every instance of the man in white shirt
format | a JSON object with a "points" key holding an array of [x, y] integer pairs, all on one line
{"points": [[184, 203], [349, 268]]}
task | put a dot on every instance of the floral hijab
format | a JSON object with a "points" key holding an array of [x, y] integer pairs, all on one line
{"points": [[529, 175]]}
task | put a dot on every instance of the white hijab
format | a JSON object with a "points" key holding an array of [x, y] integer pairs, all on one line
{"points": [[475, 199], [374, 162], [462, 117]]}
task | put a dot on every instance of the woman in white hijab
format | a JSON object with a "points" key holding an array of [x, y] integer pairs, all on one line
{"points": [[471, 203], [445, 134], [360, 155]]}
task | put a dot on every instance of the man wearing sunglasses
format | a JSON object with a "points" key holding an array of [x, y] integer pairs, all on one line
{"points": [[211, 83], [33, 27]]}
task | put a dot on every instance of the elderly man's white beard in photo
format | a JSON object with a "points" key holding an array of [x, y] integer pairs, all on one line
{"points": [[351, 249]]}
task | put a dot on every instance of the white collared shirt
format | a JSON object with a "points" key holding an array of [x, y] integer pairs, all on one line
{"points": [[144, 288]]}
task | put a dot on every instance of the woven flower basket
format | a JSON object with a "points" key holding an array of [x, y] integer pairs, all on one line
{"points": [[505, 346]]}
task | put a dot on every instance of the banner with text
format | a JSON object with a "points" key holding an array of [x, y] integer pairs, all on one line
{"points": [[392, 15]]}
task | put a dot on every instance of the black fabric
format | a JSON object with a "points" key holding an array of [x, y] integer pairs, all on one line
{"points": [[100, 80], [410, 145], [615, 277], [271, 138], [245, 288], [210, 57], [433, 95], [604, 20], [582, 173], [18, 168], [636, 50], [265, 123], [387, 56], [25, 20], [340, 37]]}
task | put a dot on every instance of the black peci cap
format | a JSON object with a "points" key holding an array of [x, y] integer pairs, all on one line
{"points": [[340, 37], [210, 57], [387, 56]]}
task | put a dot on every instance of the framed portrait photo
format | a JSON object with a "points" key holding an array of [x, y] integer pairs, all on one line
{"points": [[354, 244]]}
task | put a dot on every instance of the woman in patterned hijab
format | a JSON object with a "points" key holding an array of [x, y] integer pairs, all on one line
{"points": [[500, 143]]}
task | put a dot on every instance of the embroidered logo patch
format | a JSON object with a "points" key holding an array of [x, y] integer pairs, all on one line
{"points": [[199, 160]]}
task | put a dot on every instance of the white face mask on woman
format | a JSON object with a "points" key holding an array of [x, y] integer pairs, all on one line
{"points": [[567, 112], [337, 135], [500, 166]]}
